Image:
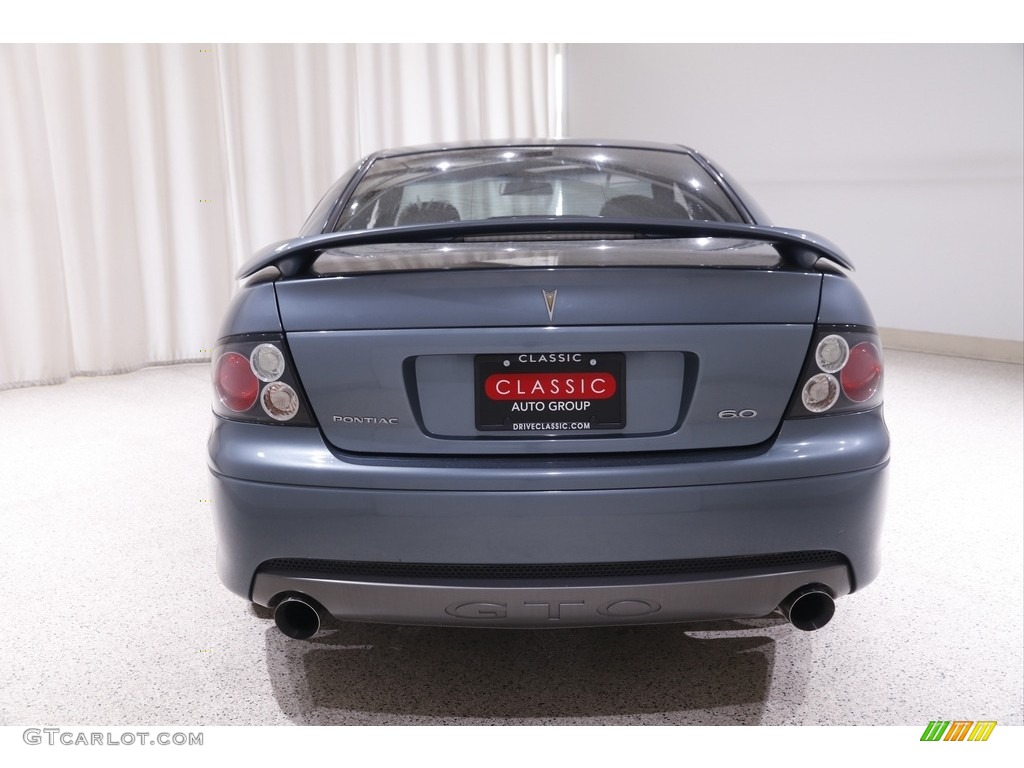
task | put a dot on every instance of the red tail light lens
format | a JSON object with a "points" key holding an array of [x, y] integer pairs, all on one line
{"points": [[237, 386], [863, 372]]}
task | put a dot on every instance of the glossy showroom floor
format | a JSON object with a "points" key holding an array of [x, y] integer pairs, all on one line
{"points": [[114, 614]]}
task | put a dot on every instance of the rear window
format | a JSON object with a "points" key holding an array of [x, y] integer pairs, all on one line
{"points": [[502, 182]]}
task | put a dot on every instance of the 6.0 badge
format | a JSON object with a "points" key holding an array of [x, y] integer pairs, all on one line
{"points": [[746, 413]]}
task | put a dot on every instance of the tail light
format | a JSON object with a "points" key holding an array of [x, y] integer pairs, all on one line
{"points": [[862, 375], [235, 382], [843, 373], [254, 380]]}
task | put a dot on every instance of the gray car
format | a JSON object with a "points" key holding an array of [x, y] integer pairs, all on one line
{"points": [[546, 384]]}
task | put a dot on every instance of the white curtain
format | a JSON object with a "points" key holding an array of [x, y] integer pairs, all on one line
{"points": [[135, 179]]}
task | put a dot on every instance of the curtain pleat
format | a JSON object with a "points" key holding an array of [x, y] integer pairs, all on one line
{"points": [[136, 179], [35, 342]]}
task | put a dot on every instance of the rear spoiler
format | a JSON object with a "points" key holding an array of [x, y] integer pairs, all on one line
{"points": [[295, 256]]}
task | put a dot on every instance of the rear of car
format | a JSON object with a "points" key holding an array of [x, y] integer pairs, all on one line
{"points": [[546, 385]]}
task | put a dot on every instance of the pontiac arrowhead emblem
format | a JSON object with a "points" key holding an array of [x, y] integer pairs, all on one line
{"points": [[549, 300]]}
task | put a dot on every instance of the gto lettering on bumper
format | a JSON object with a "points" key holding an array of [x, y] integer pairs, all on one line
{"points": [[616, 609]]}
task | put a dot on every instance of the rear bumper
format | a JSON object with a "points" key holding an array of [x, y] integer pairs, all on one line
{"points": [[298, 456], [818, 487]]}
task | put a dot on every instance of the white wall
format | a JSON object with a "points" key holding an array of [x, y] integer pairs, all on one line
{"points": [[909, 157]]}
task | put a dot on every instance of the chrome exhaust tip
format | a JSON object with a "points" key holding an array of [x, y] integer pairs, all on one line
{"points": [[297, 618], [808, 608]]}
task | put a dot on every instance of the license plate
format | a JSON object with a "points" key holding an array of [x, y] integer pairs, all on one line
{"points": [[551, 392]]}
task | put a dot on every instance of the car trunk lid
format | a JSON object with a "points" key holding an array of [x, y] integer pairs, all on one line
{"points": [[396, 346]]}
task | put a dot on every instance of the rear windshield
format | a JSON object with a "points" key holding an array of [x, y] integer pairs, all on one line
{"points": [[501, 182]]}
